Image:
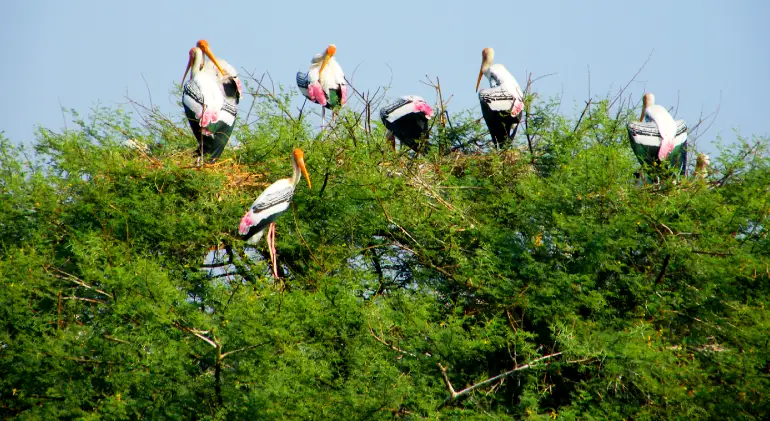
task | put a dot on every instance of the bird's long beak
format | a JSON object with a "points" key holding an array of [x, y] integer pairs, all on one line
{"points": [[323, 64], [481, 74], [189, 64], [644, 108], [330, 51], [301, 163], [206, 50]]}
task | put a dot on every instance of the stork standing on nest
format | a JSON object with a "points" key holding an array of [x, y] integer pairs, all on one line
{"points": [[502, 103], [271, 204], [210, 100], [407, 120], [656, 138], [324, 83]]}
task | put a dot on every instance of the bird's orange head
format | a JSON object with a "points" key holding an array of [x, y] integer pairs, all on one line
{"points": [[299, 158], [204, 46]]}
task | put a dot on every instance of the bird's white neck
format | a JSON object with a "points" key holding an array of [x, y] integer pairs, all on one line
{"points": [[197, 62]]}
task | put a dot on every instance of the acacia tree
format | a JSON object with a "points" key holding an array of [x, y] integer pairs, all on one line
{"points": [[536, 282]]}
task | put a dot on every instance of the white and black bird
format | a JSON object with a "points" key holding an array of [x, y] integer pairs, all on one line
{"points": [[407, 120], [656, 138], [502, 103], [271, 204], [229, 80], [324, 83], [210, 100]]}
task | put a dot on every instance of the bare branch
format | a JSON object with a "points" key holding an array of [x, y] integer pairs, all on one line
{"points": [[456, 395], [198, 333], [632, 80], [246, 348], [390, 345], [74, 279]]}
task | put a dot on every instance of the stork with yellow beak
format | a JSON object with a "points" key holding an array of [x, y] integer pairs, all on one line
{"points": [[324, 83], [227, 76], [210, 112], [271, 204], [502, 103], [656, 138]]}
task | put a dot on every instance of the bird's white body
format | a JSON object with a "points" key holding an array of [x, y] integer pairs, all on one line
{"points": [[203, 92], [209, 67], [333, 77], [504, 88], [324, 83], [273, 202], [657, 114]]}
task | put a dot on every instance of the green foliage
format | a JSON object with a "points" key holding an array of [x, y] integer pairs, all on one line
{"points": [[594, 297]]}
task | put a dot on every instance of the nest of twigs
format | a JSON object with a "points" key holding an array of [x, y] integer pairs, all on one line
{"points": [[489, 163], [239, 177]]}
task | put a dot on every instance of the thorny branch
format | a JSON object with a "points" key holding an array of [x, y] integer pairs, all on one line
{"points": [[74, 279], [390, 345], [455, 395]]}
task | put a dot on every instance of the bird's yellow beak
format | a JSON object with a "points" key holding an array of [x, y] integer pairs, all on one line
{"points": [[190, 62], [299, 157], [204, 46], [486, 55], [330, 52]]}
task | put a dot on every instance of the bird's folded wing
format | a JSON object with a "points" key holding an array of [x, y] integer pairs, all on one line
{"points": [[270, 199], [498, 99], [647, 132], [397, 110], [302, 80]]}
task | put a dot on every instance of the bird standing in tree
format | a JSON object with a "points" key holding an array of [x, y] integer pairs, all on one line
{"points": [[657, 139], [271, 204], [324, 83], [210, 100], [407, 120], [502, 104]]}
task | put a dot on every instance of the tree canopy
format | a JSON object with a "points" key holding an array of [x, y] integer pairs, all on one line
{"points": [[540, 282]]}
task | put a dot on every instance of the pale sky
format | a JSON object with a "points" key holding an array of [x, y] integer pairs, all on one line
{"points": [[80, 52]]}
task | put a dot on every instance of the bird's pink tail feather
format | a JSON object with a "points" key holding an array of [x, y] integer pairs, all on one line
{"points": [[666, 146], [344, 90], [246, 222], [424, 108], [316, 93]]}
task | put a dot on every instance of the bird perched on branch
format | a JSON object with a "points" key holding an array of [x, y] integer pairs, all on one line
{"points": [[271, 204], [656, 138], [407, 120], [210, 100], [324, 83], [502, 103]]}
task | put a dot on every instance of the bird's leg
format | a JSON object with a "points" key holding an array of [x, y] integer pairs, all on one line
{"points": [[271, 246], [392, 138]]}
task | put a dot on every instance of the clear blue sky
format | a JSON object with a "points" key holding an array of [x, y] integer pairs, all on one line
{"points": [[78, 52]]}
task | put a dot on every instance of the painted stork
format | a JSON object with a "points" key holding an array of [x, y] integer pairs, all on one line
{"points": [[407, 120], [502, 103], [324, 83], [657, 138], [273, 202], [209, 108], [230, 82]]}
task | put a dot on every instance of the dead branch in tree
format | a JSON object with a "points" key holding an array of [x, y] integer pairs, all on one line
{"points": [[455, 395]]}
